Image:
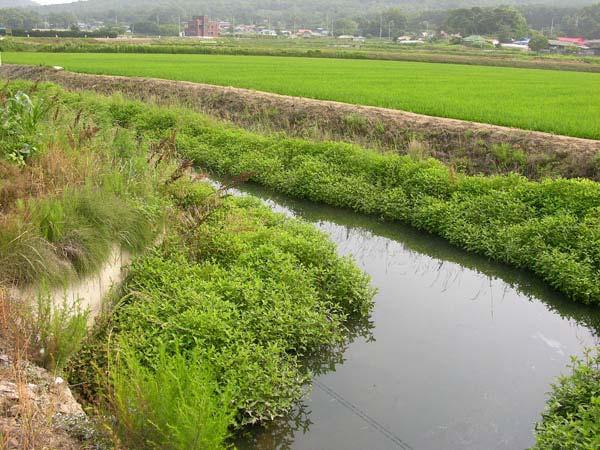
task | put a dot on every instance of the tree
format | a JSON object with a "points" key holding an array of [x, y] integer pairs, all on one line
{"points": [[149, 28], [538, 42], [389, 23], [590, 22], [504, 21], [345, 26]]}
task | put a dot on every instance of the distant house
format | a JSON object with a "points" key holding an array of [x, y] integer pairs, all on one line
{"points": [[579, 41], [565, 46], [303, 32], [475, 40], [594, 46], [201, 26]]}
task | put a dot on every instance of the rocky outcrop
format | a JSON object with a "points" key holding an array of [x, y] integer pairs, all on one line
{"points": [[37, 409]]}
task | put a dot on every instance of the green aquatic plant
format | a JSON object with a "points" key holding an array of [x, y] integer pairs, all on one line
{"points": [[572, 415], [249, 294]]}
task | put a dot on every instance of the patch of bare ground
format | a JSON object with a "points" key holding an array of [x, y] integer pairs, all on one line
{"points": [[469, 147]]}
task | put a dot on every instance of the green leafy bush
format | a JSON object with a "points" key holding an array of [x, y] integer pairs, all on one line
{"points": [[58, 329], [21, 118], [547, 227], [572, 416]]}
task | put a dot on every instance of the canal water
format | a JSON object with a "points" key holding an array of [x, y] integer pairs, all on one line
{"points": [[461, 354]]}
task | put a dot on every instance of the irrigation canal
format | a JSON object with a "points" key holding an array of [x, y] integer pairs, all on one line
{"points": [[461, 354]]}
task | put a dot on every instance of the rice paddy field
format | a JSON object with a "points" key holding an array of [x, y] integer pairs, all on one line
{"points": [[558, 102]]}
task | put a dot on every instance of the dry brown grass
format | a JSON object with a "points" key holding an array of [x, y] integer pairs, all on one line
{"points": [[29, 398], [49, 174]]}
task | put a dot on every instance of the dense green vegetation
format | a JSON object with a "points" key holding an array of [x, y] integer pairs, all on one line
{"points": [[502, 96], [417, 16], [68, 192], [245, 294], [550, 227], [438, 52], [210, 330], [504, 22], [572, 417], [212, 327]]}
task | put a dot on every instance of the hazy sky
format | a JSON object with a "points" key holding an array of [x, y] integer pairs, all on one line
{"points": [[53, 2]]}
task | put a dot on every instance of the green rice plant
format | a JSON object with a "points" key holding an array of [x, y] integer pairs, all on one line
{"points": [[572, 415], [173, 403], [521, 98]]}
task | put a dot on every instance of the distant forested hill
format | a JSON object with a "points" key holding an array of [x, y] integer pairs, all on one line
{"points": [[307, 12], [17, 3]]}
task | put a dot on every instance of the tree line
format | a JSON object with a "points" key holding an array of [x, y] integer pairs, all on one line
{"points": [[504, 22]]}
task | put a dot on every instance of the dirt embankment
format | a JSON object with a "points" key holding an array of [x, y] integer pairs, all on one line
{"points": [[470, 147]]}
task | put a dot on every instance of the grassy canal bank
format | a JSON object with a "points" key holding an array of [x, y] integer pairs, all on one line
{"points": [[549, 227], [493, 95], [221, 305], [213, 324]]}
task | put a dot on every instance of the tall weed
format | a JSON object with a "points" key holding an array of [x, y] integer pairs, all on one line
{"points": [[174, 403]]}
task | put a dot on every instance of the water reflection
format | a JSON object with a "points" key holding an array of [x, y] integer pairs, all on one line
{"points": [[462, 352], [366, 238]]}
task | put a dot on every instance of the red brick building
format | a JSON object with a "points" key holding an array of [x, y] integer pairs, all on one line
{"points": [[200, 26]]}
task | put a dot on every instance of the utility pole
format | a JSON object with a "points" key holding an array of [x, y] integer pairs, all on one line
{"points": [[380, 25]]}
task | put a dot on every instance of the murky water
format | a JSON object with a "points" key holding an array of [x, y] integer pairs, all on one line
{"points": [[462, 355]]}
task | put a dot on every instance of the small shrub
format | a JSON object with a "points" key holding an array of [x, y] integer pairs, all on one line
{"points": [[174, 403], [19, 128], [58, 330], [356, 123], [508, 158], [417, 150], [572, 416], [596, 164]]}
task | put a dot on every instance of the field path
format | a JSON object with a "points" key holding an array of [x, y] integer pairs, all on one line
{"points": [[367, 125]]}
